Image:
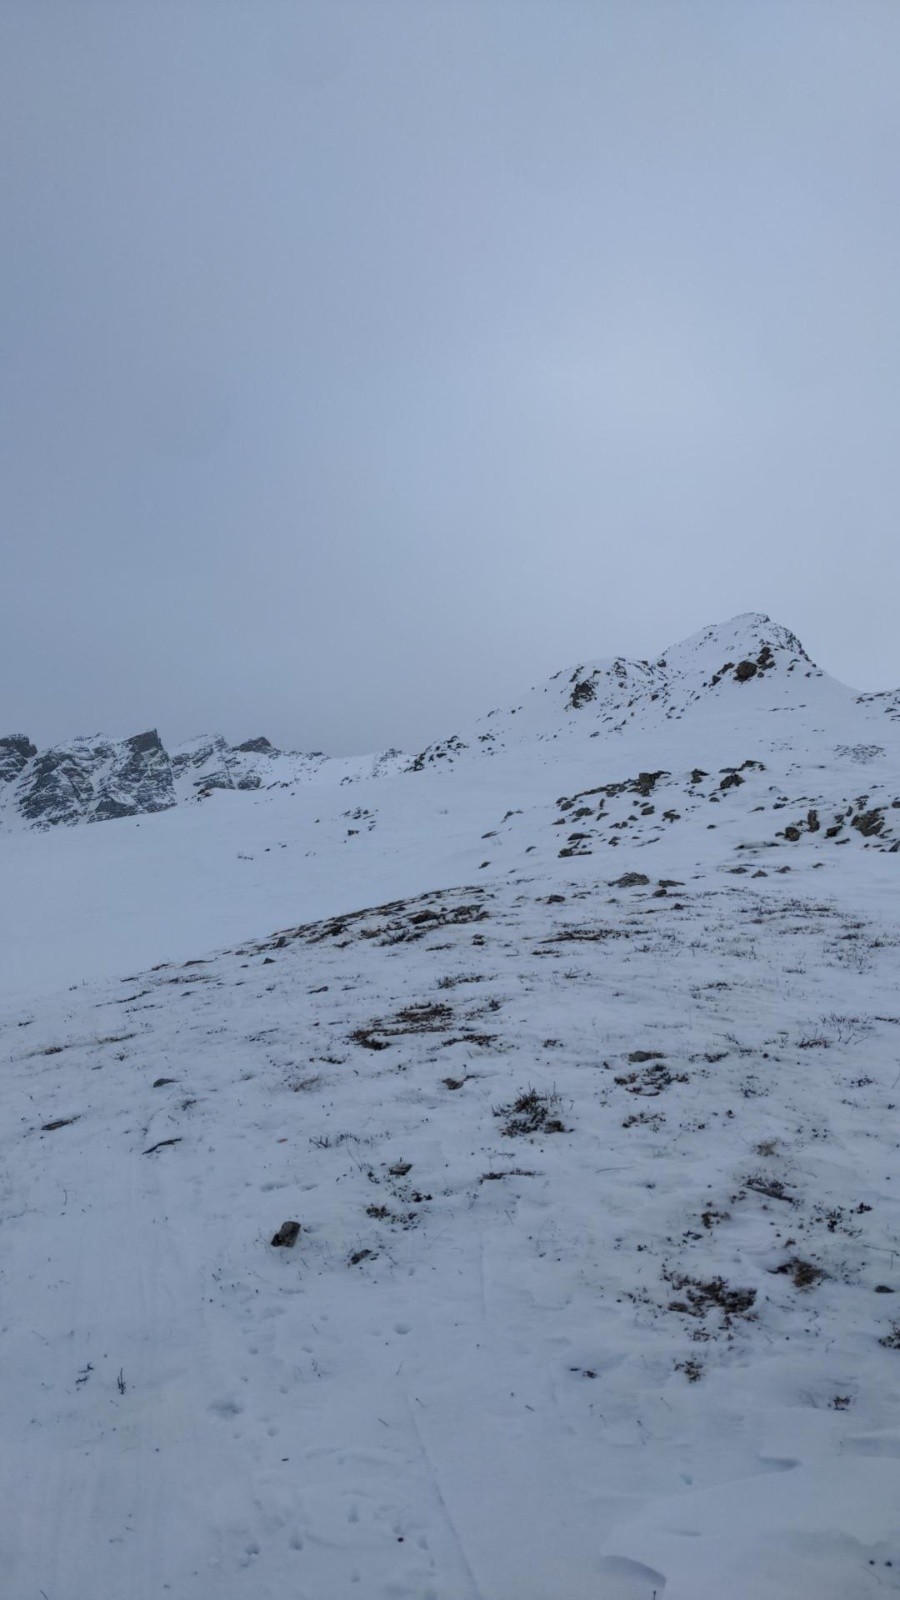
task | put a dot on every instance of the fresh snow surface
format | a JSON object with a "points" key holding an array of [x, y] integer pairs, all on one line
{"points": [[639, 1337]]}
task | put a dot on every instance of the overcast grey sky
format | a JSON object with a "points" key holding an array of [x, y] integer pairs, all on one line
{"points": [[363, 363]]}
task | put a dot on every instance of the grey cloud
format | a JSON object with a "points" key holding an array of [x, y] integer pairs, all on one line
{"points": [[362, 364]]}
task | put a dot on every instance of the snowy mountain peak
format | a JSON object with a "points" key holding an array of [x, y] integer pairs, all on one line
{"points": [[747, 678], [611, 695], [742, 638]]}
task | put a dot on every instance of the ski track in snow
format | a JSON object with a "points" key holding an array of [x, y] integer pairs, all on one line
{"points": [[630, 1336]]}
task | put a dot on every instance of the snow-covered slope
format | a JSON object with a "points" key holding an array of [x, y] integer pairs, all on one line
{"points": [[734, 669], [574, 1053]]}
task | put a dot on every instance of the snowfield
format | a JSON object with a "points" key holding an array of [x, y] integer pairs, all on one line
{"points": [[575, 1053]]}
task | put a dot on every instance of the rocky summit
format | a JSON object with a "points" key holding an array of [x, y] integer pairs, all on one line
{"points": [[748, 682]]}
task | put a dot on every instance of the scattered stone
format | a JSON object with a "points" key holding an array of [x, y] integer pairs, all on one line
{"points": [[646, 782], [630, 880], [287, 1235], [868, 822], [772, 1188]]}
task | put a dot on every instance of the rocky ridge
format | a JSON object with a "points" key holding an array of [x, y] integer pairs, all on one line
{"points": [[744, 690], [97, 779]]}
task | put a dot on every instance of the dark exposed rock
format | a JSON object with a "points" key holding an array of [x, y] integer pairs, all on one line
{"points": [[16, 750], [58, 788], [630, 880], [94, 780], [582, 694], [140, 780], [868, 822], [256, 747], [646, 782], [444, 750], [747, 669], [287, 1235]]}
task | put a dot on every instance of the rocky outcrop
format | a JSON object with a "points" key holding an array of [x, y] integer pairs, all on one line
{"points": [[208, 763], [140, 780], [256, 747], [16, 751], [94, 780]]}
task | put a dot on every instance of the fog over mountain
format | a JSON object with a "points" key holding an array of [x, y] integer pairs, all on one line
{"points": [[362, 362]]}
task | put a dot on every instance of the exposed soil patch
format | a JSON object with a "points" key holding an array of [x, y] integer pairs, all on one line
{"points": [[651, 1081], [697, 1297], [531, 1113], [803, 1274]]}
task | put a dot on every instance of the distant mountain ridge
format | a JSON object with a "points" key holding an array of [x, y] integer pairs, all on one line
{"points": [[96, 779], [748, 665]]}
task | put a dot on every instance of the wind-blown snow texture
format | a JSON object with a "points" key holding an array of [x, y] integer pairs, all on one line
{"points": [[576, 1055]]}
